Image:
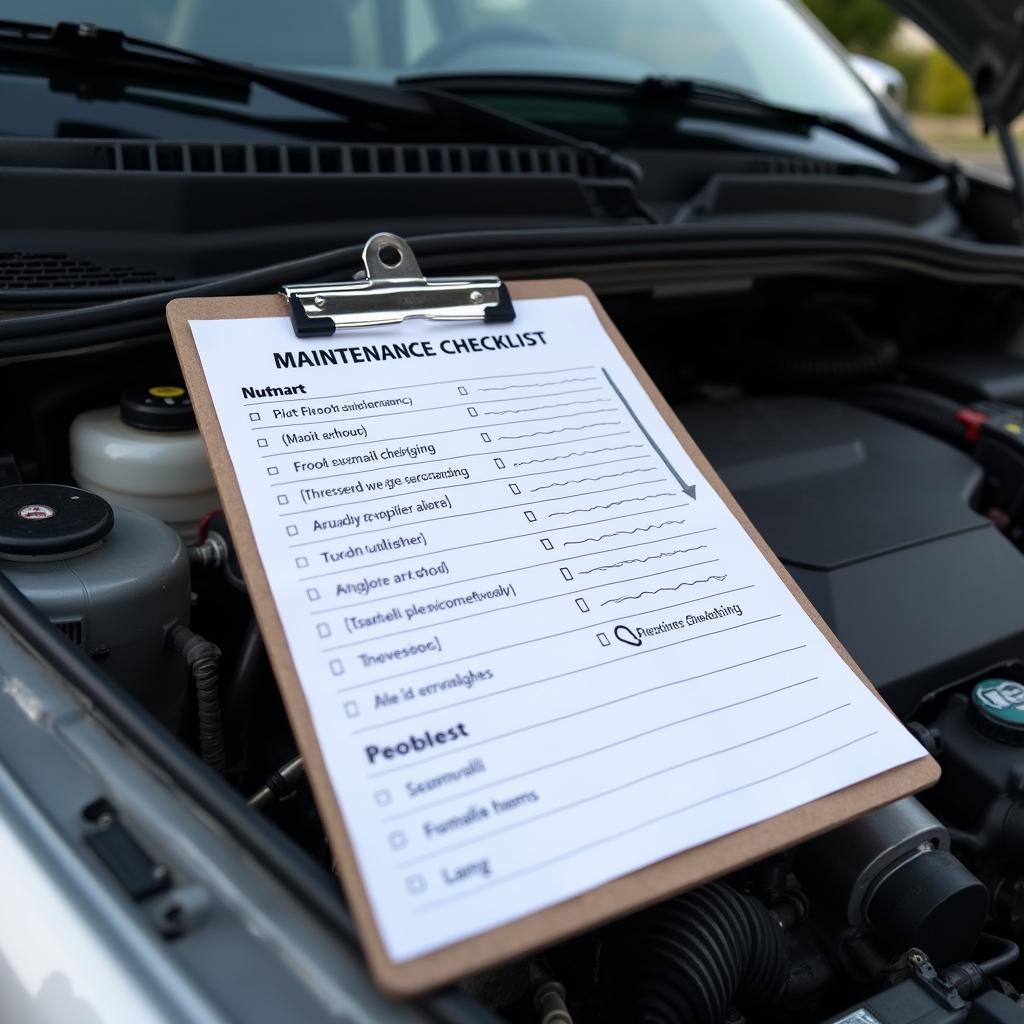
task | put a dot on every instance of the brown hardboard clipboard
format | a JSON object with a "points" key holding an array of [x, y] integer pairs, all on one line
{"points": [[621, 896]]}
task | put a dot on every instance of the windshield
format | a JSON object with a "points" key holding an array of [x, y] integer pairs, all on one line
{"points": [[768, 47]]}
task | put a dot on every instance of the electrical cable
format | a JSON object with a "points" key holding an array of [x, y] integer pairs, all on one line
{"points": [[280, 784], [203, 660]]}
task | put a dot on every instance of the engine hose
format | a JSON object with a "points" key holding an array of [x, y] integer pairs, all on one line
{"points": [[688, 960], [203, 660]]}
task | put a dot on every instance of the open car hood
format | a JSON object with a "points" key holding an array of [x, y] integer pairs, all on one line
{"points": [[986, 37]]}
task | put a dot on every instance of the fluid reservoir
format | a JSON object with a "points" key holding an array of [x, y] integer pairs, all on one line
{"points": [[113, 580], [146, 454]]}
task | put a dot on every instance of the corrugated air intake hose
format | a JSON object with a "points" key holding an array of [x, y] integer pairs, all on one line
{"points": [[688, 960]]}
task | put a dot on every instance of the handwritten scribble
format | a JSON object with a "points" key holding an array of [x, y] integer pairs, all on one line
{"points": [[543, 384], [593, 508], [562, 430], [538, 408], [570, 455], [593, 479], [660, 590], [625, 533], [637, 561]]}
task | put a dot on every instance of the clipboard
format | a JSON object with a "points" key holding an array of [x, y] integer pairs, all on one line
{"points": [[386, 296]]}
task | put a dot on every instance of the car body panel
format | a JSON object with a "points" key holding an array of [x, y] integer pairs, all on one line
{"points": [[76, 948]]}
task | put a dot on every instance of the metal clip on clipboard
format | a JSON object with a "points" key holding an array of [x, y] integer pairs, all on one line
{"points": [[394, 290]]}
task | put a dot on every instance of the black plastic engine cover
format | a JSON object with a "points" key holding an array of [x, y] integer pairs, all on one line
{"points": [[874, 521]]}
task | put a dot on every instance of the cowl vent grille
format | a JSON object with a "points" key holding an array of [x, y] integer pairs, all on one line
{"points": [[58, 270], [291, 159], [790, 165]]}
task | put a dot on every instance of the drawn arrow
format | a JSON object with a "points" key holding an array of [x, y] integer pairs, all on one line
{"points": [[690, 490]]}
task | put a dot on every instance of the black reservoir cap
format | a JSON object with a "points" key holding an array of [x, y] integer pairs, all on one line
{"points": [[49, 519], [161, 407]]}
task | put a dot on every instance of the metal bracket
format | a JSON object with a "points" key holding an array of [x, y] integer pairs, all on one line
{"points": [[394, 290]]}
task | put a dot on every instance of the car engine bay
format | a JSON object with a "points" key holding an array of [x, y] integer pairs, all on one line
{"points": [[872, 429]]}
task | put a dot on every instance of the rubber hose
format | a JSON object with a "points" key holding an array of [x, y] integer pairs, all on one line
{"points": [[203, 660], [688, 960], [1009, 953], [923, 409]]}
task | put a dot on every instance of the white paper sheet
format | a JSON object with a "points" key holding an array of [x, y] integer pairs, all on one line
{"points": [[538, 650]]}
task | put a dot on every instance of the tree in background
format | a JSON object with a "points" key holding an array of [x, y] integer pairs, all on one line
{"points": [[935, 84], [942, 87], [864, 26]]}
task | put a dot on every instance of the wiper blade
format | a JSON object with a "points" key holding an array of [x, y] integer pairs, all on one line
{"points": [[726, 100], [712, 97], [679, 96], [80, 52]]}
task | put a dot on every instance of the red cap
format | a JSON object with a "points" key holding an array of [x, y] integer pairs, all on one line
{"points": [[972, 420]]}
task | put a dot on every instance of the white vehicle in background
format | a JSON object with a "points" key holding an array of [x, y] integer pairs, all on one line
{"points": [[881, 78]]}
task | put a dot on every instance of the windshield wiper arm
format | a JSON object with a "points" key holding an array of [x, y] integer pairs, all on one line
{"points": [[678, 96], [85, 49], [714, 97]]}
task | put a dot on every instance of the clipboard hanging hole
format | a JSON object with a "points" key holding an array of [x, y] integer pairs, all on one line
{"points": [[386, 253], [390, 257]]}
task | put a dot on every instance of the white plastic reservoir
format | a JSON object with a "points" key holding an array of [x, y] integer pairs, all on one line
{"points": [[147, 455]]}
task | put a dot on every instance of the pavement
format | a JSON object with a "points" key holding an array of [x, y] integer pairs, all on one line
{"points": [[960, 138]]}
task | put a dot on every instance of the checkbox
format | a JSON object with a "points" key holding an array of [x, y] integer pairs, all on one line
{"points": [[582, 605], [514, 488], [383, 797], [282, 499], [531, 517], [416, 884], [351, 709], [272, 471], [602, 639], [291, 530], [486, 438], [463, 391], [499, 463], [546, 544], [301, 562], [314, 595], [337, 668], [323, 629], [472, 411], [254, 416], [261, 442], [398, 840], [566, 575]]}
